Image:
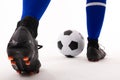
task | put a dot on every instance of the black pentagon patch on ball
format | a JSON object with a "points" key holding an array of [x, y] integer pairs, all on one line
{"points": [[69, 56], [60, 45], [68, 32], [73, 45]]}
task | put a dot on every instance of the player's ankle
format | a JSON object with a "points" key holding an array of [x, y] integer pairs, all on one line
{"points": [[93, 43], [31, 24]]}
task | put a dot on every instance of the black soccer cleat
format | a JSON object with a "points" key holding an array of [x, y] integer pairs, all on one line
{"points": [[94, 52], [22, 51]]}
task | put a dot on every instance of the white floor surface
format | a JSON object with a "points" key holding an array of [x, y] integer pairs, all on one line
{"points": [[62, 15]]}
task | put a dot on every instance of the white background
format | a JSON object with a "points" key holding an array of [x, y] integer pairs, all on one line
{"points": [[62, 15]]}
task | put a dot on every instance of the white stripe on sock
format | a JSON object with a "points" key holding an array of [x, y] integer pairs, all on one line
{"points": [[95, 3]]}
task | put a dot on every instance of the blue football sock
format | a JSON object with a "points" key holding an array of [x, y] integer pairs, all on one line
{"points": [[34, 8], [95, 11]]}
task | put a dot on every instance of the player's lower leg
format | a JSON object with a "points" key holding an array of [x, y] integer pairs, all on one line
{"points": [[22, 48], [95, 15]]}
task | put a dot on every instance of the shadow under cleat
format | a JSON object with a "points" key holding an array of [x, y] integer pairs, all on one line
{"points": [[27, 73]]}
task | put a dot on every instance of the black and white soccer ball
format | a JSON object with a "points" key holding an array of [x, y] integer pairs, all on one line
{"points": [[71, 43]]}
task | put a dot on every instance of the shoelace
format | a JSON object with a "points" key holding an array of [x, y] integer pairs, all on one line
{"points": [[40, 46]]}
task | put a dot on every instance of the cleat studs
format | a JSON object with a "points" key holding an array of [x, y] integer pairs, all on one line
{"points": [[27, 63], [25, 59], [13, 62], [10, 58], [19, 72]]}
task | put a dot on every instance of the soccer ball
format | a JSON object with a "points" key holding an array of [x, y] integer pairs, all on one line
{"points": [[70, 43]]}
